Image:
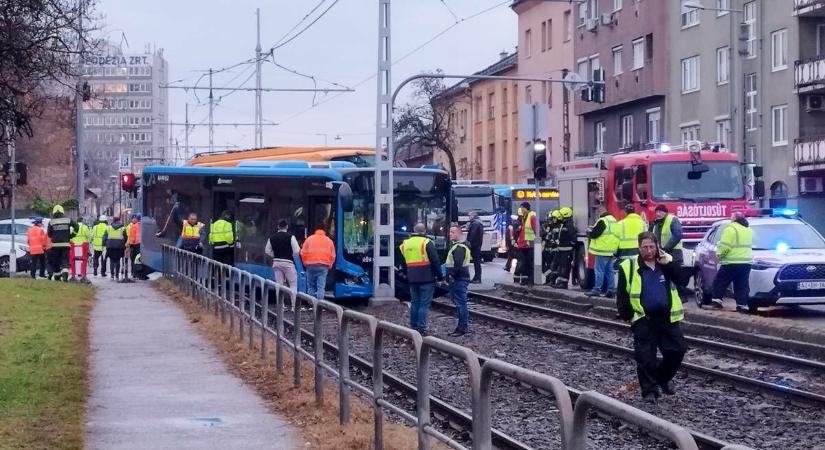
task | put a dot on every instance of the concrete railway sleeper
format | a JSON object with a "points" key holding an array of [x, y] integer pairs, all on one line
{"points": [[214, 284]]}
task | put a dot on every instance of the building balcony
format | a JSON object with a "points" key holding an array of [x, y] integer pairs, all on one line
{"points": [[809, 74], [809, 8], [809, 151]]}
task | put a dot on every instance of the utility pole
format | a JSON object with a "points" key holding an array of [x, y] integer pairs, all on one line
{"points": [[13, 174], [211, 111], [383, 261], [565, 119], [259, 131], [186, 135], [78, 100]]}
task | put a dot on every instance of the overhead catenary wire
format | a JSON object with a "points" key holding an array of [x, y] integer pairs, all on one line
{"points": [[300, 22], [303, 30]]}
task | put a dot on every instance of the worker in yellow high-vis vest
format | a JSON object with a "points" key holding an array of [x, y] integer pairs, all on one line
{"points": [[525, 241], [648, 298], [98, 230], [603, 245], [735, 254], [668, 230], [627, 231], [222, 239]]}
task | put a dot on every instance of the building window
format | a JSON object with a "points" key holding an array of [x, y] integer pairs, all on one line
{"points": [[779, 50], [690, 17], [778, 125], [617, 60], [722, 7], [723, 132], [722, 65], [549, 34], [820, 39], [654, 120], [581, 69], [477, 108], [504, 150], [491, 106], [528, 94], [627, 131], [751, 109], [528, 38], [582, 13], [595, 64], [504, 99], [543, 36], [477, 162], [617, 5], [649, 46], [491, 158], [638, 53], [548, 93], [593, 8], [690, 74], [601, 132], [568, 27], [690, 133], [750, 23]]}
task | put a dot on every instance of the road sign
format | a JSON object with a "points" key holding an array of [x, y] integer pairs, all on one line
{"points": [[573, 81], [125, 162]]}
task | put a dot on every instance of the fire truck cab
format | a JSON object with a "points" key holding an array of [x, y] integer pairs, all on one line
{"points": [[698, 183]]}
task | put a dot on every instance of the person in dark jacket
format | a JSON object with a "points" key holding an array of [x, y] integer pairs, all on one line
{"points": [[567, 240], [423, 267], [513, 229], [458, 276], [647, 297], [115, 241], [475, 238], [668, 230]]}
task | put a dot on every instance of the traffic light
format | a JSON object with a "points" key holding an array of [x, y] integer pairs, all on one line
{"points": [[539, 160], [21, 171], [127, 182]]}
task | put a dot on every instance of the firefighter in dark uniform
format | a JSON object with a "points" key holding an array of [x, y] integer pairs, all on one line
{"points": [[61, 229], [564, 251], [222, 239], [549, 233]]}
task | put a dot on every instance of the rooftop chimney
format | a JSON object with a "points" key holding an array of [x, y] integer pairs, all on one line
{"points": [[503, 54]]}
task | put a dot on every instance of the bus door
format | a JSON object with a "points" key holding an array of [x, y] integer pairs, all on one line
{"points": [[322, 210], [223, 200], [252, 228]]}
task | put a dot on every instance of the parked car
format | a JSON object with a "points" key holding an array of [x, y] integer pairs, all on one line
{"points": [[788, 265], [23, 257], [21, 227]]}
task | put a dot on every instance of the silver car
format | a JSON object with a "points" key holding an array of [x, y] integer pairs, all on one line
{"points": [[788, 265]]}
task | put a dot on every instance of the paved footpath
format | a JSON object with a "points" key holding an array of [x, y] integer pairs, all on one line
{"points": [[157, 384]]}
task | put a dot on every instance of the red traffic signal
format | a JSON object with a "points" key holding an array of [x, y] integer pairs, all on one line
{"points": [[127, 182]]}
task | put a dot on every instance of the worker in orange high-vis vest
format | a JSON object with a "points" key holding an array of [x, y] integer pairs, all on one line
{"points": [[133, 239], [37, 241], [317, 255]]}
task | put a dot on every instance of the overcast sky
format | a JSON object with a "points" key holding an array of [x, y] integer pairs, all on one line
{"points": [[341, 47]]}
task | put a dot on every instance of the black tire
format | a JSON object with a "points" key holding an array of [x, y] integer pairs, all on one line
{"points": [[701, 295], [584, 275], [5, 266]]}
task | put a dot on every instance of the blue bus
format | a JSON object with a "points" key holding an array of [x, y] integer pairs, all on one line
{"points": [[259, 194]]}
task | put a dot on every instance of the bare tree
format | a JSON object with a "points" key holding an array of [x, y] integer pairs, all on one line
{"points": [[425, 120], [40, 42]]}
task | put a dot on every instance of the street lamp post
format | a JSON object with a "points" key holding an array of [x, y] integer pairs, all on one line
{"points": [[9, 135]]}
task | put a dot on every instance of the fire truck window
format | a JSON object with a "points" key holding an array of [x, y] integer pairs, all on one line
{"points": [[641, 182], [617, 182]]}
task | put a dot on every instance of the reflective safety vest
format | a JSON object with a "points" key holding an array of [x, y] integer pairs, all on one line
{"points": [[318, 249], [133, 233], [37, 240], [414, 249], [189, 231], [627, 231], [220, 235], [735, 245], [115, 238], [97, 235], [529, 235], [450, 261], [81, 234], [634, 289], [61, 225], [666, 235], [607, 243]]}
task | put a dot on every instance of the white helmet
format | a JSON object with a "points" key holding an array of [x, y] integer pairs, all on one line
{"points": [[102, 218]]}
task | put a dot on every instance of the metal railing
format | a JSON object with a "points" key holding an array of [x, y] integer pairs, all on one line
{"points": [[809, 72], [232, 295]]}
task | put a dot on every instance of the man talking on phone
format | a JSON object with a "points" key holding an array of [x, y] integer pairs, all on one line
{"points": [[647, 297]]}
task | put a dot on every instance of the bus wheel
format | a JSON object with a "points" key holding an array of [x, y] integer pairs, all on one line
{"points": [[583, 273]]}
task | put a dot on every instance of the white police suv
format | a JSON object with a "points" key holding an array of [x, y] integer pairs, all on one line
{"points": [[788, 260]]}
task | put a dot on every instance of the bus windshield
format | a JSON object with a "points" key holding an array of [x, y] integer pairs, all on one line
{"points": [[419, 197], [670, 181], [481, 204]]}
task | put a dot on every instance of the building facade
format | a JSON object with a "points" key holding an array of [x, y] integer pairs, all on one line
{"points": [[808, 68], [628, 40], [546, 50], [128, 112], [483, 117]]}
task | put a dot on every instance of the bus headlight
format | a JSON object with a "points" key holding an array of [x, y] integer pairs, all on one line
{"points": [[351, 280]]}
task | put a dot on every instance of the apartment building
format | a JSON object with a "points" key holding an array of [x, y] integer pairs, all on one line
{"points": [[483, 117], [545, 51], [809, 91], [628, 40]]}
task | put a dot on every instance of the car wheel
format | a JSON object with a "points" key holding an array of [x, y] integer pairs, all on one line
{"points": [[701, 296], [5, 266]]}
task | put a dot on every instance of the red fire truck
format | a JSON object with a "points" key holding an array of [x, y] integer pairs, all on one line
{"points": [[698, 183]]}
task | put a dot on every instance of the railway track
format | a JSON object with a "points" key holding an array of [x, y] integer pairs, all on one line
{"points": [[453, 417], [492, 306]]}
